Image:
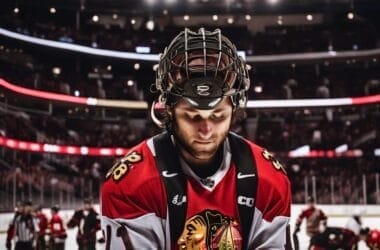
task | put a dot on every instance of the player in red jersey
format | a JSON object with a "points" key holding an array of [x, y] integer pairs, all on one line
{"points": [[57, 230], [42, 222], [197, 185], [315, 218]]}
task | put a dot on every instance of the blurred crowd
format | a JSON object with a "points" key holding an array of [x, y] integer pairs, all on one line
{"points": [[124, 35]]}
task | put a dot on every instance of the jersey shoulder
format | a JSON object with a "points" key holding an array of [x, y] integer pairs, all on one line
{"points": [[133, 185], [266, 162], [273, 189], [133, 169]]}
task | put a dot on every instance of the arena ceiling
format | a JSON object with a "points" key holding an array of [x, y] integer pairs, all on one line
{"points": [[205, 6]]}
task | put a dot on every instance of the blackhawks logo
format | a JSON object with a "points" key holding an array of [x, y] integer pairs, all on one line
{"points": [[210, 230]]}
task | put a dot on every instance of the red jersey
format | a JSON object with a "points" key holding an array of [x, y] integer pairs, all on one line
{"points": [[314, 217], [134, 204], [57, 229], [42, 223]]}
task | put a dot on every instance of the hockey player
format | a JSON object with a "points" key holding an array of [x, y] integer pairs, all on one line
{"points": [[315, 219], [42, 223], [334, 238], [343, 238], [88, 223], [197, 185], [58, 233]]}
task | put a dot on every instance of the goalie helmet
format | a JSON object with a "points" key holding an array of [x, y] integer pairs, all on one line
{"points": [[202, 67]]}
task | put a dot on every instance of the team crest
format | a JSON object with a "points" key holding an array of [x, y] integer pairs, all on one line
{"points": [[275, 163], [210, 230], [120, 169]]}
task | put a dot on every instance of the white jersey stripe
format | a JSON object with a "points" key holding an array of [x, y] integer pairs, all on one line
{"points": [[144, 232], [270, 234]]}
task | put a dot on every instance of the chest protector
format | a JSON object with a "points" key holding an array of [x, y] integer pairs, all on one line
{"points": [[174, 180]]}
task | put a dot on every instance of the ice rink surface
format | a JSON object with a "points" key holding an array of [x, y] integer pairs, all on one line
{"points": [[338, 217]]}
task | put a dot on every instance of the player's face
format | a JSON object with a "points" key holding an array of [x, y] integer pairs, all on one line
{"points": [[201, 132]]}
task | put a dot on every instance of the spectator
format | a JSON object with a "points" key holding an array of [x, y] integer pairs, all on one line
{"points": [[323, 90]]}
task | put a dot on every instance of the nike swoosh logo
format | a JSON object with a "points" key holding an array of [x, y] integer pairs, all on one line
{"points": [[168, 175], [242, 176]]}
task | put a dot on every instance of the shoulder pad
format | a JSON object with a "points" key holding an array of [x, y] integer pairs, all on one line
{"points": [[121, 167]]}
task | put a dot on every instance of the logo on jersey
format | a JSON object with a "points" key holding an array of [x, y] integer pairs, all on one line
{"points": [[243, 176], [245, 201], [179, 199], [167, 174], [120, 169], [210, 229], [275, 163]]}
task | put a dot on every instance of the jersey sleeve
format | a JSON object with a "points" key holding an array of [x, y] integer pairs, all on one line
{"points": [[133, 205], [273, 200], [300, 218]]}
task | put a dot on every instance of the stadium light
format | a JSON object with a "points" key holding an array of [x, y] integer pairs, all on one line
{"points": [[342, 148], [272, 2], [300, 151], [136, 66], [149, 25], [95, 18], [56, 71], [53, 10], [350, 15], [279, 20], [258, 89], [377, 152], [150, 2], [142, 49]]}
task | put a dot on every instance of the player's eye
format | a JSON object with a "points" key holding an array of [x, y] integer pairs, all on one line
{"points": [[193, 117], [217, 117]]}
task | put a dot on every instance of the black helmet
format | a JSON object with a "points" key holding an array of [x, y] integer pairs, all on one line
{"points": [[202, 67], [55, 208], [310, 199]]}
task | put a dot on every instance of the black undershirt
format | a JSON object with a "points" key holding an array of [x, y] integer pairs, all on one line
{"points": [[204, 171]]}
